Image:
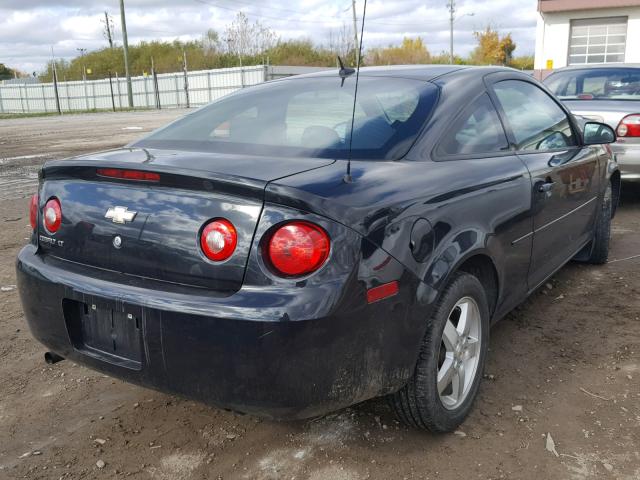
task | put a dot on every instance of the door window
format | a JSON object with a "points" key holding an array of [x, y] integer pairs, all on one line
{"points": [[478, 130], [537, 122]]}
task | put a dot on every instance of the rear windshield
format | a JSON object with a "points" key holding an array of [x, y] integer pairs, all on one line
{"points": [[307, 117], [596, 84]]}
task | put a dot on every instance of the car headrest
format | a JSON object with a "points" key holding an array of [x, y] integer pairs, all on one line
{"points": [[320, 137]]}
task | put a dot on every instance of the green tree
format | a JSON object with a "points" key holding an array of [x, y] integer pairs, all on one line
{"points": [[247, 39], [211, 42], [7, 73], [300, 53], [411, 51], [524, 62]]}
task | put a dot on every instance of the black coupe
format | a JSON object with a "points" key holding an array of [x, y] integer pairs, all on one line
{"points": [[285, 254]]}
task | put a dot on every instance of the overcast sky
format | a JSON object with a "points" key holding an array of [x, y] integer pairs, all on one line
{"points": [[29, 28]]}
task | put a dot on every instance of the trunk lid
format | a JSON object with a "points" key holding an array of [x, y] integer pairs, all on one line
{"points": [[610, 112], [159, 239]]}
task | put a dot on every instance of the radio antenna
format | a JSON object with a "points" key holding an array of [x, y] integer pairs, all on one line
{"points": [[347, 177]]}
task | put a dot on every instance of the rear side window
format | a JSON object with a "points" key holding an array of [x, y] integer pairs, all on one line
{"points": [[537, 122], [477, 131], [308, 117]]}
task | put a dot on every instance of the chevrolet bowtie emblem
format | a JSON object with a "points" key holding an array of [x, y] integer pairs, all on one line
{"points": [[120, 215]]}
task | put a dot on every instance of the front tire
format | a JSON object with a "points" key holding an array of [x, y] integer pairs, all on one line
{"points": [[440, 394], [600, 244]]}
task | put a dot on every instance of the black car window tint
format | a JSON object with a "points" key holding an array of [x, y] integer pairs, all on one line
{"points": [[320, 118], [478, 130], [537, 122], [308, 117]]}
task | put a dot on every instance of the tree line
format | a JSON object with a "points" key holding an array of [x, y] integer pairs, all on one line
{"points": [[7, 73], [253, 43]]}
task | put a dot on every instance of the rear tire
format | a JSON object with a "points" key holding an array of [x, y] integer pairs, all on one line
{"points": [[440, 394], [600, 243]]}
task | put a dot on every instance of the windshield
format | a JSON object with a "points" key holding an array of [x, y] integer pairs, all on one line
{"points": [[307, 117], [596, 84]]}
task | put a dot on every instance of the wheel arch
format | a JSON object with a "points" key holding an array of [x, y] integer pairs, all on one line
{"points": [[471, 251], [482, 266]]}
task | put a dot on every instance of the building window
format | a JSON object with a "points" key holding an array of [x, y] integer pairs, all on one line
{"points": [[598, 40]]}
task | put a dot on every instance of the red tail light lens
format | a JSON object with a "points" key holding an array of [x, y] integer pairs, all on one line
{"points": [[298, 248], [219, 240], [33, 211], [629, 126], [52, 215], [129, 174]]}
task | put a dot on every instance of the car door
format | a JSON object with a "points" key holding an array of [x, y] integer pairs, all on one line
{"points": [[476, 147], [564, 174]]}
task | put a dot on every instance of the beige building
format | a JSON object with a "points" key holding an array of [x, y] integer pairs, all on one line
{"points": [[578, 32]]}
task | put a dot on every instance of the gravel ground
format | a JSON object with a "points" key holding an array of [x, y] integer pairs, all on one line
{"points": [[565, 363]]}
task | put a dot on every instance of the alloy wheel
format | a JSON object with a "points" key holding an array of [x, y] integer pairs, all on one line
{"points": [[459, 353]]}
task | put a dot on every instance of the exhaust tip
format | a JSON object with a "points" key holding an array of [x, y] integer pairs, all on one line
{"points": [[52, 358]]}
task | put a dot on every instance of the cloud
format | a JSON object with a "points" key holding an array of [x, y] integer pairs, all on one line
{"points": [[29, 29]]}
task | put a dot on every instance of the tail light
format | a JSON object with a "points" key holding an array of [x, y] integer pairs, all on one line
{"points": [[33, 211], [629, 126], [138, 175], [298, 248], [218, 240], [52, 215]]}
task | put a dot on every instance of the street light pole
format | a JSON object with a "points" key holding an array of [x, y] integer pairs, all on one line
{"points": [[355, 27], [125, 44], [452, 17]]}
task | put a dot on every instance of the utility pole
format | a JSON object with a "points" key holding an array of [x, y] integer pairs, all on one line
{"points": [[355, 27], [84, 78], [125, 45], [452, 18]]}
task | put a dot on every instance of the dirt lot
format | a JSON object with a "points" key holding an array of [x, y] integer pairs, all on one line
{"points": [[567, 362]]}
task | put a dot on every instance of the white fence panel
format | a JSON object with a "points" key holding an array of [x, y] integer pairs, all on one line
{"points": [[203, 87]]}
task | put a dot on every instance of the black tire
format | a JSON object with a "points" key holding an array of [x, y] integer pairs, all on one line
{"points": [[600, 243], [418, 404]]}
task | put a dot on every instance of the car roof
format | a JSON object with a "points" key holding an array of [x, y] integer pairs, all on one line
{"points": [[597, 66], [414, 72]]}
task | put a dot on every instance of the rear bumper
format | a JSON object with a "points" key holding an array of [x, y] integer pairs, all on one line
{"points": [[628, 158], [279, 356]]}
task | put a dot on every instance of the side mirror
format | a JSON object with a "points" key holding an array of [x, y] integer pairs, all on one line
{"points": [[595, 133]]}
